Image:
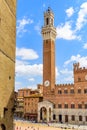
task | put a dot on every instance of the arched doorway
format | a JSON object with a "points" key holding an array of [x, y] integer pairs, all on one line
{"points": [[60, 118], [66, 118], [3, 127], [49, 114], [43, 114]]}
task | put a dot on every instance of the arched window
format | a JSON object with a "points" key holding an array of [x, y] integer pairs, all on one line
{"points": [[80, 118], [47, 21], [65, 91], [79, 90], [66, 118], [85, 90], [80, 105], [85, 105], [72, 91], [72, 105], [66, 105], [54, 116], [79, 79], [3, 127], [59, 91], [59, 105], [85, 118], [73, 117]]}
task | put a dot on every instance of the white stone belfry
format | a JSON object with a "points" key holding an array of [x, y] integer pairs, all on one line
{"points": [[49, 31]]}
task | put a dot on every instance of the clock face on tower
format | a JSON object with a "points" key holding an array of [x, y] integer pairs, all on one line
{"points": [[47, 83]]}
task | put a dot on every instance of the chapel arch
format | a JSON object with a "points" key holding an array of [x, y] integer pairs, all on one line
{"points": [[43, 114]]}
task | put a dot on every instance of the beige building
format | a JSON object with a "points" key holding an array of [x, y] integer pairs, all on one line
{"points": [[7, 62]]}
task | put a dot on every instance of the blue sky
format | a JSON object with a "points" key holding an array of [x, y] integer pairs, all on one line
{"points": [[71, 41]]}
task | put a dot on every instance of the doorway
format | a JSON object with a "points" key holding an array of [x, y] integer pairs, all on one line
{"points": [[66, 118], [3, 127], [60, 118]]}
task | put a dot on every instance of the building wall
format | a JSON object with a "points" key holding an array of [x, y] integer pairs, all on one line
{"points": [[31, 106], [7, 61], [23, 92], [70, 99], [49, 62], [27, 102]]}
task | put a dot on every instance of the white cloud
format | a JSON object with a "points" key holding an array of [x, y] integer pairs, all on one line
{"points": [[78, 58], [69, 79], [85, 46], [65, 76], [56, 72], [66, 71], [26, 54], [38, 28], [25, 69], [33, 87], [21, 25], [82, 16], [44, 5], [65, 31], [31, 79], [18, 85], [70, 12]]}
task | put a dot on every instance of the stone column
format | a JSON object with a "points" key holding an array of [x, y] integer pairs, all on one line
{"points": [[69, 119], [57, 119], [47, 114], [77, 119], [43, 114], [63, 118], [52, 115], [38, 115], [83, 120]]}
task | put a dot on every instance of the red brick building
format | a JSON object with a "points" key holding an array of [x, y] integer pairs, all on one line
{"points": [[65, 103], [31, 106], [27, 103]]}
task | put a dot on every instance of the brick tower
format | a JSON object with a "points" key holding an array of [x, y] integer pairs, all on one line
{"points": [[49, 36], [7, 62]]}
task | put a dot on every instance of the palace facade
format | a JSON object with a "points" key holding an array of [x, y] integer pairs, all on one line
{"points": [[65, 103]]}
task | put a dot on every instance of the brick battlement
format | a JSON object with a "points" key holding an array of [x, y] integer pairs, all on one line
{"points": [[77, 68], [64, 85], [81, 69]]}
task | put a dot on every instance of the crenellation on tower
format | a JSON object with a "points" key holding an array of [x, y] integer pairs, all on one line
{"points": [[64, 85], [77, 68]]}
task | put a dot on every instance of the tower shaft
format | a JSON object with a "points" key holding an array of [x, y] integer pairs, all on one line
{"points": [[49, 35]]}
